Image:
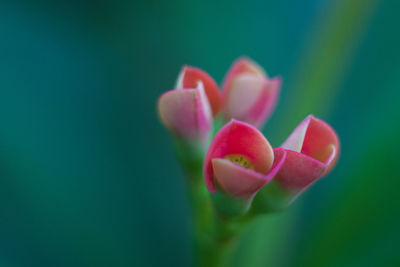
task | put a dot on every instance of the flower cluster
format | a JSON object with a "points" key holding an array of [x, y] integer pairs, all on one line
{"points": [[241, 169]]}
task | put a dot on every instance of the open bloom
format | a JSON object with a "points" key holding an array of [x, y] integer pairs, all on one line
{"points": [[240, 161], [248, 94], [188, 110], [311, 151]]}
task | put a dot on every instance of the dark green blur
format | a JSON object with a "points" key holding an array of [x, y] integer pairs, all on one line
{"points": [[87, 172]]}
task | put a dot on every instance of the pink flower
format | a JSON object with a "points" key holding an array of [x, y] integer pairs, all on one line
{"points": [[188, 110], [190, 76], [241, 160], [311, 151], [248, 94]]}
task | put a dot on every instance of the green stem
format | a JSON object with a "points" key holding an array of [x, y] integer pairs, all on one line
{"points": [[214, 236], [202, 220]]}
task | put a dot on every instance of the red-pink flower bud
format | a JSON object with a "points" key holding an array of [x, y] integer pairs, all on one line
{"points": [[311, 151], [190, 76], [240, 161], [186, 111], [248, 94]]}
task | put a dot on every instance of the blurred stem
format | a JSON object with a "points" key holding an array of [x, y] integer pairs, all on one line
{"points": [[190, 156], [214, 236]]}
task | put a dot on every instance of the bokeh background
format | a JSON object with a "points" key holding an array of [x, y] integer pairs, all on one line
{"points": [[87, 173]]}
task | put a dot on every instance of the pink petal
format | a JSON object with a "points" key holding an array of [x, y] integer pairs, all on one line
{"points": [[321, 142], [190, 76], [238, 138], [298, 172], [186, 113], [241, 182], [235, 179]]}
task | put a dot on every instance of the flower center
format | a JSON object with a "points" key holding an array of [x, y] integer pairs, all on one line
{"points": [[241, 160]]}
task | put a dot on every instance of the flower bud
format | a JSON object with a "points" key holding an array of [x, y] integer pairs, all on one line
{"points": [[248, 94], [311, 151], [188, 110], [239, 162]]}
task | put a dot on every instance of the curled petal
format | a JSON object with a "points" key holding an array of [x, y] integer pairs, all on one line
{"points": [[186, 113], [238, 138], [189, 78]]}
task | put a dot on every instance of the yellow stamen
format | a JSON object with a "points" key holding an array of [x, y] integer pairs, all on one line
{"points": [[241, 160]]}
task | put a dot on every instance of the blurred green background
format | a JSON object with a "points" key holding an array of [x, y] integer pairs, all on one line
{"points": [[87, 174]]}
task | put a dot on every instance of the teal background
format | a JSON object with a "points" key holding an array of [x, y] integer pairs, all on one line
{"points": [[87, 173]]}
